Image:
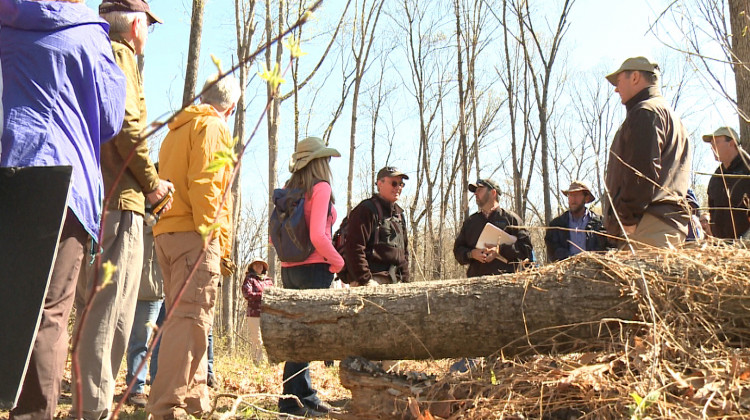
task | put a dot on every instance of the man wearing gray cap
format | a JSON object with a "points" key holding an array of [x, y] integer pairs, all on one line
{"points": [[377, 250], [726, 193], [576, 230], [129, 183], [497, 259], [648, 173]]}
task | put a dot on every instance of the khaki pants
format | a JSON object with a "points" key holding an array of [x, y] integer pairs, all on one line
{"points": [[654, 232], [41, 385], [104, 337], [180, 385], [252, 330]]}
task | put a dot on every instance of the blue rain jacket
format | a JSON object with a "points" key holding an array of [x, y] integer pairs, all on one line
{"points": [[62, 95]]}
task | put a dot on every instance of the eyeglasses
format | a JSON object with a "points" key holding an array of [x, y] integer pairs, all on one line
{"points": [[397, 184]]}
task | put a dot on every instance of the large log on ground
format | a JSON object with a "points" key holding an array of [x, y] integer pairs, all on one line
{"points": [[555, 308]]}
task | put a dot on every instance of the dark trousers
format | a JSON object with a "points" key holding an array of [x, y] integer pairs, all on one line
{"points": [[41, 386], [296, 374]]}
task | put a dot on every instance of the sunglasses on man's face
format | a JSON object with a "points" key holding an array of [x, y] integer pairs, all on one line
{"points": [[397, 184]]}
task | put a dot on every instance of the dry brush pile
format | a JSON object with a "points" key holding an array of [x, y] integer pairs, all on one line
{"points": [[684, 356]]}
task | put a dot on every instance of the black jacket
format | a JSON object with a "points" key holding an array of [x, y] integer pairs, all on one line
{"points": [[472, 228], [557, 240], [725, 223]]}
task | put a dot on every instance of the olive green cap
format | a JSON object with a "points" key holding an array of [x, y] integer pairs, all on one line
{"points": [[722, 131], [634, 63]]}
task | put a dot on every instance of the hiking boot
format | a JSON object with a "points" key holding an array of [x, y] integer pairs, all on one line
{"points": [[138, 400], [320, 406], [304, 412]]}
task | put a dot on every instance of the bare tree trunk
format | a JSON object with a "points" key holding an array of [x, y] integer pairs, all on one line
{"points": [[272, 124], [462, 141], [194, 50], [245, 28], [738, 16]]}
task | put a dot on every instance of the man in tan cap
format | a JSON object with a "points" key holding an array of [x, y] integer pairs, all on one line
{"points": [[648, 173], [377, 250], [726, 193], [105, 333], [578, 229]]}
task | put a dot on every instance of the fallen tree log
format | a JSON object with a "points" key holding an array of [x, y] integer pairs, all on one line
{"points": [[556, 308]]}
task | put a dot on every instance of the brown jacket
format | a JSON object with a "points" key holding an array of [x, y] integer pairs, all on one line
{"points": [[140, 177], [725, 198], [649, 165], [366, 255]]}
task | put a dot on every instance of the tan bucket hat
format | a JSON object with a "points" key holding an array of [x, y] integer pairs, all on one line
{"points": [[308, 150], [580, 186], [722, 131], [258, 260], [634, 63]]}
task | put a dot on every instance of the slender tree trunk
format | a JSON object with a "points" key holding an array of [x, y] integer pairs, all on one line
{"points": [[740, 22], [194, 51], [462, 115]]}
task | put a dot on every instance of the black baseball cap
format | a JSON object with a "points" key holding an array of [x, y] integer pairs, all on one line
{"points": [[484, 182], [128, 6], [391, 171]]}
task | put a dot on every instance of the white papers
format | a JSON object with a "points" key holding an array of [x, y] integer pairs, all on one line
{"points": [[492, 236]]}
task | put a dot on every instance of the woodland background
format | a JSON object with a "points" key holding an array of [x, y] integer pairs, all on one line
{"points": [[448, 91]]}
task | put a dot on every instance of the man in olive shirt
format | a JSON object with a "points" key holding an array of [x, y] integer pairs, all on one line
{"points": [[105, 333]]}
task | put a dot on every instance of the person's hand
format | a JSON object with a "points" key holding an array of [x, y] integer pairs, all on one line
{"points": [[480, 255], [490, 253], [160, 192], [227, 267]]}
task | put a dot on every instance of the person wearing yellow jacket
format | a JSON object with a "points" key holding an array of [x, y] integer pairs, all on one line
{"points": [[195, 135]]}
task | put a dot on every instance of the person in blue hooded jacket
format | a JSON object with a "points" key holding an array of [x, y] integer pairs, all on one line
{"points": [[63, 96]]}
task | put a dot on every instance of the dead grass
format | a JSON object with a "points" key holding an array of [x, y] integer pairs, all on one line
{"points": [[685, 357]]}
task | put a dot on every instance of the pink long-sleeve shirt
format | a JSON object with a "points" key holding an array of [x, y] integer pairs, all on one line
{"points": [[319, 223]]}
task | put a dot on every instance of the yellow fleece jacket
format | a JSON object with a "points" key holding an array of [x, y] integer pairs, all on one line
{"points": [[194, 136]]}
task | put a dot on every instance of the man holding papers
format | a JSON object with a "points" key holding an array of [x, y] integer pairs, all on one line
{"points": [[492, 240]]}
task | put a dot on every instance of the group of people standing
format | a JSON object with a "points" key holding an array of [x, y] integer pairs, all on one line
{"points": [[73, 95]]}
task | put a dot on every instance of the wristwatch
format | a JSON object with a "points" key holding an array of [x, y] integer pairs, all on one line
{"points": [[468, 255]]}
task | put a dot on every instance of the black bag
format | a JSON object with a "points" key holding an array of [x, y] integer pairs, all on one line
{"points": [[339, 237], [287, 226]]}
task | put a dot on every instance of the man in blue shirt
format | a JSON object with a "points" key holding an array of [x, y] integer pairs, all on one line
{"points": [[63, 96], [578, 229]]}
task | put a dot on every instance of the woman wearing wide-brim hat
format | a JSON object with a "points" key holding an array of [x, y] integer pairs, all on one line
{"points": [[311, 173]]}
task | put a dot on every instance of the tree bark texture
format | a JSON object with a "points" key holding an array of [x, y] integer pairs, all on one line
{"points": [[740, 22], [194, 52], [557, 308]]}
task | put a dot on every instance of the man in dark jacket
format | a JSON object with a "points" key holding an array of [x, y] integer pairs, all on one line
{"points": [[726, 193], [576, 230], [377, 249], [497, 259], [648, 173]]}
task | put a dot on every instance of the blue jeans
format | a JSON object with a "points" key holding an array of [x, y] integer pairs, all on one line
{"points": [[296, 374], [210, 353], [154, 362], [146, 312]]}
